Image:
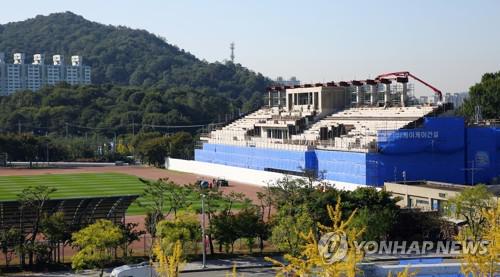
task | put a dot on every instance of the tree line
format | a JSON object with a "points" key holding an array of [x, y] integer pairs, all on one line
{"points": [[289, 216], [150, 148], [139, 80], [486, 95]]}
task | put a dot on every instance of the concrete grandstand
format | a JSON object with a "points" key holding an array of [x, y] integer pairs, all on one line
{"points": [[359, 133]]}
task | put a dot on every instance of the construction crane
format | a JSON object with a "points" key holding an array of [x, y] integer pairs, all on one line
{"points": [[403, 76]]}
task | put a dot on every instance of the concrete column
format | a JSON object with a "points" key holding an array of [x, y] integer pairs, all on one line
{"points": [[387, 94], [373, 94], [314, 99], [279, 98], [403, 94], [359, 96]]}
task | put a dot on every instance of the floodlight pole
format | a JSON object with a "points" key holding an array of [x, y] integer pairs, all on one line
{"points": [[204, 263]]}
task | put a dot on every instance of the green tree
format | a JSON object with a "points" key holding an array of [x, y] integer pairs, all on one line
{"points": [[9, 241], [56, 231], [154, 151], [379, 221], [485, 94], [184, 228], [246, 217], [287, 228], [224, 229], [130, 233], [214, 202], [33, 200], [181, 145], [164, 197], [469, 204], [95, 243]]}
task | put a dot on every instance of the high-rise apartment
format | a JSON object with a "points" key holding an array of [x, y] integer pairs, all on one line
{"points": [[19, 75]]}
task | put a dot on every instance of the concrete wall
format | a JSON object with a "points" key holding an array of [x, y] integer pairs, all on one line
{"points": [[238, 174], [329, 98], [231, 173], [410, 193]]}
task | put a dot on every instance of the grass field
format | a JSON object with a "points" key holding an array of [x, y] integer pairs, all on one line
{"points": [[80, 185]]}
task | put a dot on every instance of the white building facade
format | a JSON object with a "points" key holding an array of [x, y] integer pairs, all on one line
{"points": [[20, 76]]}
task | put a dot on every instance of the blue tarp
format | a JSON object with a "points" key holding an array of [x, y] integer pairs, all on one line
{"points": [[442, 150]]}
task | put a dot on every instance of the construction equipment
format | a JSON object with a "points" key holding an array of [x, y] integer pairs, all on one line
{"points": [[402, 76]]}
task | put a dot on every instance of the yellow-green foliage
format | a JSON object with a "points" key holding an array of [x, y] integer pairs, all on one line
{"points": [[95, 243], [311, 261], [404, 273], [234, 273], [483, 263], [168, 265], [185, 228]]}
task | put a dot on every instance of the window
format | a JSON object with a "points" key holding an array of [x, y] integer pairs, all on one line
{"points": [[424, 202], [303, 98]]}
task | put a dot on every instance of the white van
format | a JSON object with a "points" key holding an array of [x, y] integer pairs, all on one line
{"points": [[138, 270]]}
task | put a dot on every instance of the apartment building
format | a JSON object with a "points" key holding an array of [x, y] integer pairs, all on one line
{"points": [[19, 75]]}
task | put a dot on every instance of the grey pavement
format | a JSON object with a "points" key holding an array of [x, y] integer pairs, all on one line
{"points": [[248, 272], [250, 266], [229, 263]]}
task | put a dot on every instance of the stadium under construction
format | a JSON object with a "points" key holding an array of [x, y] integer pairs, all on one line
{"points": [[357, 133]]}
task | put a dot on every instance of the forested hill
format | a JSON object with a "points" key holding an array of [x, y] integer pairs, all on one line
{"points": [[160, 83], [118, 55]]}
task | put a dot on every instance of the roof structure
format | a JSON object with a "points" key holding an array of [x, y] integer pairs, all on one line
{"points": [[77, 212]]}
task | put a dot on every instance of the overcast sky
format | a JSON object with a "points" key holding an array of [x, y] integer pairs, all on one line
{"points": [[448, 43]]}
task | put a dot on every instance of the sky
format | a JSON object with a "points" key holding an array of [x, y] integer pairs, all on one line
{"points": [[450, 44]]}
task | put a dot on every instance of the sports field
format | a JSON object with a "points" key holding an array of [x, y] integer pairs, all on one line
{"points": [[80, 185]]}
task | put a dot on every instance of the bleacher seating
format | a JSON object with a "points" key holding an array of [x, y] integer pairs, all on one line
{"points": [[360, 127], [363, 125]]}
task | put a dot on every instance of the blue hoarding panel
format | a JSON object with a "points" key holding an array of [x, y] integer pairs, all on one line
{"points": [[434, 152], [482, 159], [442, 150], [342, 166], [252, 157]]}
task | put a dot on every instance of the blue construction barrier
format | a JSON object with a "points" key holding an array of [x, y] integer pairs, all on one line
{"points": [[342, 166], [483, 155], [253, 157], [434, 152], [444, 150]]}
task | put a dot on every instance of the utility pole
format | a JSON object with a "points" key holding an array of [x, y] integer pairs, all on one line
{"points": [[472, 170], [204, 263], [231, 46]]}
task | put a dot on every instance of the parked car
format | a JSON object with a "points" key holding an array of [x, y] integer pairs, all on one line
{"points": [[221, 182], [137, 270], [203, 184]]}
